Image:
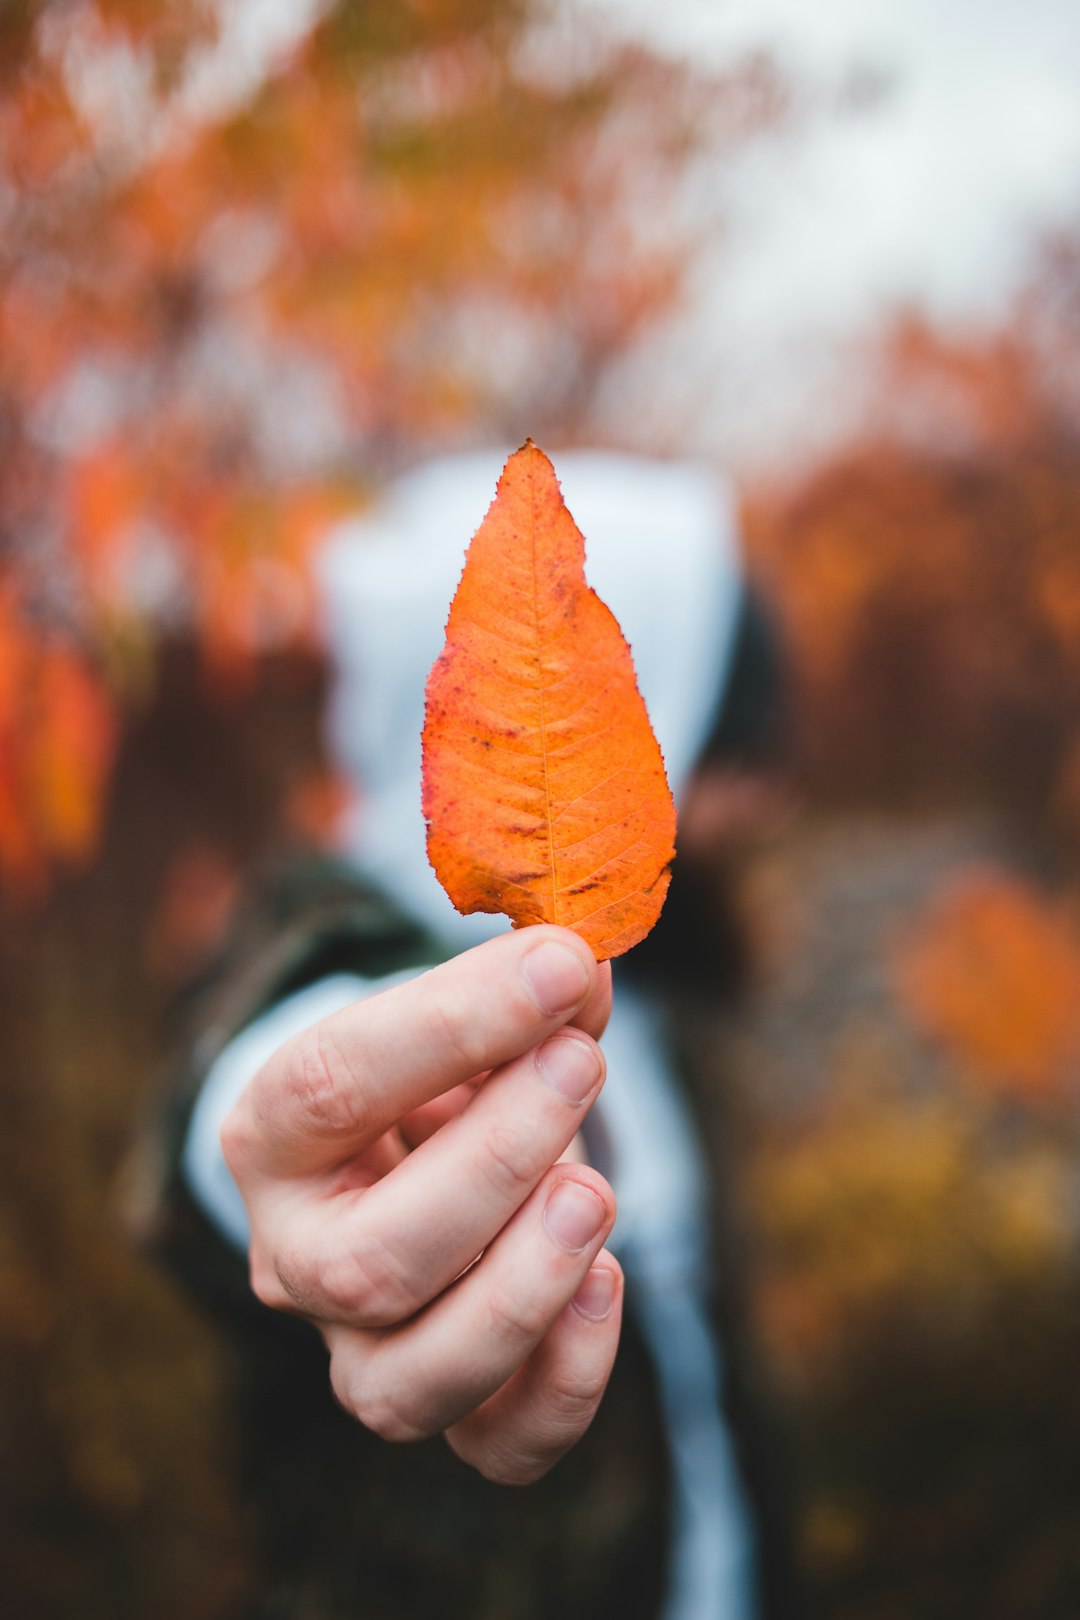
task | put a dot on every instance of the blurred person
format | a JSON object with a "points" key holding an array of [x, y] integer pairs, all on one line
{"points": [[394, 1124]]}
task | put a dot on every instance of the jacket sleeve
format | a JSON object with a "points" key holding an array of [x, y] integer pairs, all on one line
{"points": [[305, 925]]}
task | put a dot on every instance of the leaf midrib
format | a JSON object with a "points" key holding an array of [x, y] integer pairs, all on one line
{"points": [[540, 692]]}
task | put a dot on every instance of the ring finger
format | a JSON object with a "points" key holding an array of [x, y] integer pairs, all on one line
{"points": [[429, 1373]]}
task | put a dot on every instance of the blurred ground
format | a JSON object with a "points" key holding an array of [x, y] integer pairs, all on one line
{"points": [[902, 1231], [904, 1237]]}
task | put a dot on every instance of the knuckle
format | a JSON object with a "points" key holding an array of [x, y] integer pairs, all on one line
{"points": [[509, 1470], [237, 1138], [267, 1285], [510, 1160], [362, 1284], [341, 1286], [321, 1082], [517, 1320], [457, 1030], [354, 1390], [344, 1382], [384, 1418], [572, 1399]]}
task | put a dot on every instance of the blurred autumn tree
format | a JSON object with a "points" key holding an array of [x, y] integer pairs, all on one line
{"points": [[929, 573], [236, 287]]}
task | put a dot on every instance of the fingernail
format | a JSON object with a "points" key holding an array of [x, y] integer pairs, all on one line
{"points": [[570, 1067], [556, 977], [596, 1295], [573, 1215]]}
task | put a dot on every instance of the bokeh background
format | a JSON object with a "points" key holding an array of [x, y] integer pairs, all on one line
{"points": [[258, 256]]}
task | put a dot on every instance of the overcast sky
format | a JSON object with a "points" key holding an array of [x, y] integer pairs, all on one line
{"points": [[930, 193]]}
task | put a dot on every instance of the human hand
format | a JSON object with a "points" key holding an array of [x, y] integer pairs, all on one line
{"points": [[400, 1166]]}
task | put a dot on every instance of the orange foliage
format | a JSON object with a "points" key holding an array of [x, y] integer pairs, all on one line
{"points": [[929, 578], [106, 500], [57, 736], [993, 973], [544, 786], [210, 303]]}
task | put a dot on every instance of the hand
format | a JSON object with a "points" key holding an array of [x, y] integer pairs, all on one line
{"points": [[400, 1162]]}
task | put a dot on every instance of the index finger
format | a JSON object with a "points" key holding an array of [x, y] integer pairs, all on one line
{"points": [[339, 1085]]}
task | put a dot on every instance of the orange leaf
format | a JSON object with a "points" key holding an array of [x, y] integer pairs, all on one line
{"points": [[544, 786]]}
